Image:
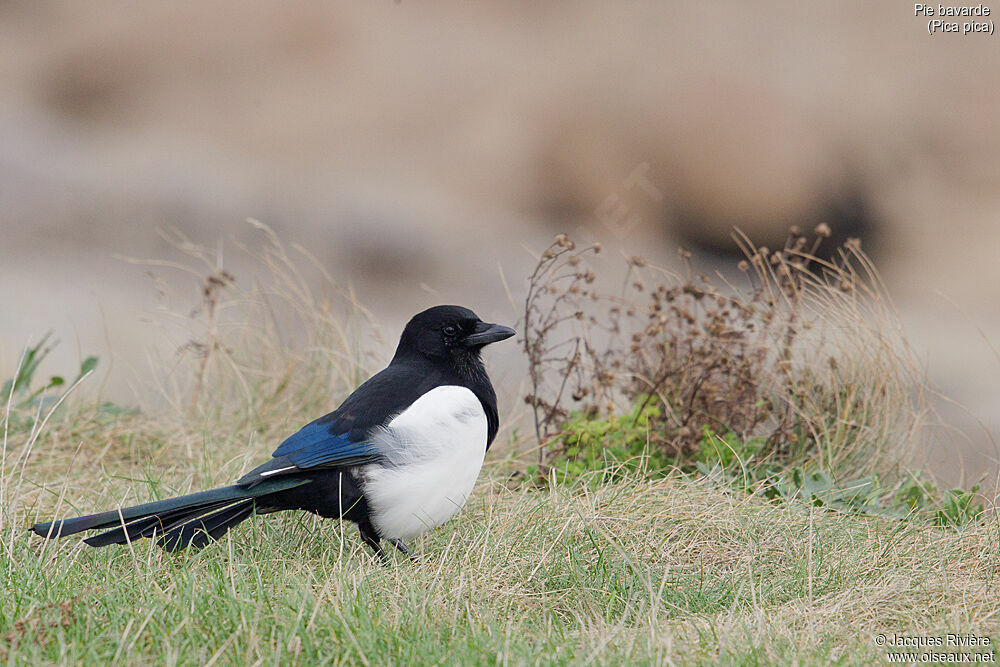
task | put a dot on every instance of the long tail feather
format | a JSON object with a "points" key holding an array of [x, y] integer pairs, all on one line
{"points": [[148, 526], [163, 516], [201, 530]]}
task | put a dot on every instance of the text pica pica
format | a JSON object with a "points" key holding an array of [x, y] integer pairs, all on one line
{"points": [[398, 457]]}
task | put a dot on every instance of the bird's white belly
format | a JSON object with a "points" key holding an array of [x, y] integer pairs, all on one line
{"points": [[435, 449]]}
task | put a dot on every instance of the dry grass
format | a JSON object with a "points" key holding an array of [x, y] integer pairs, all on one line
{"points": [[632, 570], [256, 361], [302, 343]]}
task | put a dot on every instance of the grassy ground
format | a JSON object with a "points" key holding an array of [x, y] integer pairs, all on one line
{"points": [[611, 567], [637, 570]]}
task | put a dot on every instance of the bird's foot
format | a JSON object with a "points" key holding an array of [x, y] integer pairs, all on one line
{"points": [[403, 547]]}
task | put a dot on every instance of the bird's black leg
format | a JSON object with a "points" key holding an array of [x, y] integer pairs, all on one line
{"points": [[371, 538], [401, 545]]}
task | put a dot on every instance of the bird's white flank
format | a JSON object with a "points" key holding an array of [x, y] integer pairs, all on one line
{"points": [[435, 450]]}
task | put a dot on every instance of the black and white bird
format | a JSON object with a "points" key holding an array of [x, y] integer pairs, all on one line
{"points": [[398, 457]]}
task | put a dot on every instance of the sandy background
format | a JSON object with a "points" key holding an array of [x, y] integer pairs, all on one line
{"points": [[421, 149]]}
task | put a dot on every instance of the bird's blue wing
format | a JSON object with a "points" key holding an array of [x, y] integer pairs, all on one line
{"points": [[315, 445], [341, 438]]}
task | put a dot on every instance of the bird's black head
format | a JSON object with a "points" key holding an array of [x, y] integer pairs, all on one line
{"points": [[448, 333]]}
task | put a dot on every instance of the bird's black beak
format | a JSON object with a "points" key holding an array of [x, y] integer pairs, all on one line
{"points": [[487, 333]]}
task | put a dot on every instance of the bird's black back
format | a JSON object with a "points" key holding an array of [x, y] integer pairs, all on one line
{"points": [[392, 390]]}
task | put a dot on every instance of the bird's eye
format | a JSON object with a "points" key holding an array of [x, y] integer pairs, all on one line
{"points": [[450, 330]]}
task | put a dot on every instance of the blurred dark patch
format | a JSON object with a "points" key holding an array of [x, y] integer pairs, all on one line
{"points": [[557, 208], [849, 213], [94, 86], [371, 246]]}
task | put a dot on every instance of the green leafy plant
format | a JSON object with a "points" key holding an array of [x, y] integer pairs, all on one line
{"points": [[958, 508], [953, 507], [18, 391], [587, 443]]}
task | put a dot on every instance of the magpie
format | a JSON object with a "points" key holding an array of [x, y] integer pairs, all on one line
{"points": [[398, 457]]}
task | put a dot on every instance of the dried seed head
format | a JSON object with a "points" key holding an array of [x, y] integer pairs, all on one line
{"points": [[823, 230]]}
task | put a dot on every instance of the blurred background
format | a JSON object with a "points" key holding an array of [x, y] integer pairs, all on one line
{"points": [[423, 151]]}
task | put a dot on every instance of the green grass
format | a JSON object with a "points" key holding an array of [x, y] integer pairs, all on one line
{"points": [[611, 567]]}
